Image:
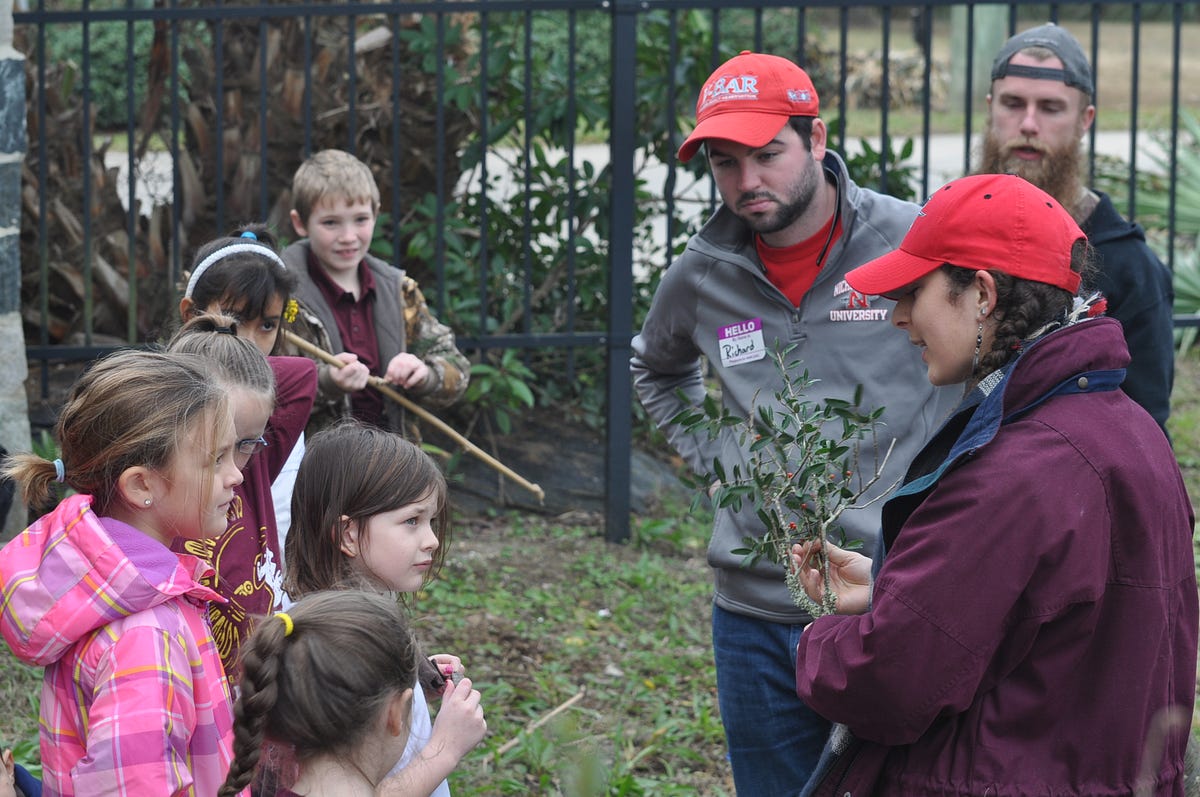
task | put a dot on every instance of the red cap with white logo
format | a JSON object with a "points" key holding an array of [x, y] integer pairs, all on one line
{"points": [[748, 99]]}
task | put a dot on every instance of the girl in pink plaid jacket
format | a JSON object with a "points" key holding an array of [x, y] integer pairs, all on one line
{"points": [[134, 700]]}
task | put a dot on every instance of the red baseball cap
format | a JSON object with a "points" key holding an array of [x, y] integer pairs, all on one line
{"points": [[748, 99], [999, 222]]}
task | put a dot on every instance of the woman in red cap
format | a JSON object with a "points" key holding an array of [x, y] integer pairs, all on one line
{"points": [[1032, 628]]}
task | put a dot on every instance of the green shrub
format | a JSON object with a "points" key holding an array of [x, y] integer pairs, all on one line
{"points": [[1152, 204], [107, 45], [1187, 295], [534, 216]]}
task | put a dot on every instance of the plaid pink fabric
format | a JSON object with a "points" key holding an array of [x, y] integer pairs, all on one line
{"points": [[134, 700]]}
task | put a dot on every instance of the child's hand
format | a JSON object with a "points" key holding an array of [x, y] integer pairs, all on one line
{"points": [[459, 725], [8, 782], [352, 376], [450, 667], [407, 371]]}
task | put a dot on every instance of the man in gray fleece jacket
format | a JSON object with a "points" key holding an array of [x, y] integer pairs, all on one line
{"points": [[766, 271]]}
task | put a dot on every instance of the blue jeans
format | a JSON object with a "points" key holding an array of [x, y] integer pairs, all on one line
{"points": [[774, 739]]}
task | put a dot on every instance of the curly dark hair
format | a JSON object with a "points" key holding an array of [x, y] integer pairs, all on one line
{"points": [[1022, 306]]}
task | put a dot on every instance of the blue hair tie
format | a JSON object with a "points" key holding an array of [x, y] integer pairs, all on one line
{"points": [[248, 234], [60, 471]]}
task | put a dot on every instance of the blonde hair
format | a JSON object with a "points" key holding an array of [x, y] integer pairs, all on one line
{"points": [[332, 173], [236, 360], [130, 409]]}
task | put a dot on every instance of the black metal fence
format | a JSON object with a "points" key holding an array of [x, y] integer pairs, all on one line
{"points": [[524, 148]]}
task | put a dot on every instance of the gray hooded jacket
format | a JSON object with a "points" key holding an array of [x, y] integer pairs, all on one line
{"points": [[712, 304]]}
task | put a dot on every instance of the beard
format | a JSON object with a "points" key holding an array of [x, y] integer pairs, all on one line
{"points": [[1059, 172], [799, 198]]}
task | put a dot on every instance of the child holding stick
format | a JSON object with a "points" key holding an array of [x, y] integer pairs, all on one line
{"points": [[369, 313], [242, 276]]}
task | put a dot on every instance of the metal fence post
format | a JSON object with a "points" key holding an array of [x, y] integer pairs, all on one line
{"points": [[14, 410], [620, 272]]}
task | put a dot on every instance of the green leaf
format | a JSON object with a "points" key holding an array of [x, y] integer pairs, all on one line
{"points": [[503, 422], [522, 392]]}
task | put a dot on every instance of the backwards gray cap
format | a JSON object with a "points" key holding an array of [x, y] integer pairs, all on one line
{"points": [[1075, 71]]}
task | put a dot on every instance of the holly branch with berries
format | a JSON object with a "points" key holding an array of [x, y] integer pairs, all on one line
{"points": [[801, 472]]}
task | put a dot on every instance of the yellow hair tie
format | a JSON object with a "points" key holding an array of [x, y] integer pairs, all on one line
{"points": [[288, 625]]}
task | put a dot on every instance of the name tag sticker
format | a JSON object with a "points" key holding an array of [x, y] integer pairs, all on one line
{"points": [[741, 342]]}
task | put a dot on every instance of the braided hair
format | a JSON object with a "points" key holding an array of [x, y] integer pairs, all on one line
{"points": [[318, 680], [1023, 307]]}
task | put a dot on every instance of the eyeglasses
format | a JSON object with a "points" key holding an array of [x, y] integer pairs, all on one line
{"points": [[250, 445]]}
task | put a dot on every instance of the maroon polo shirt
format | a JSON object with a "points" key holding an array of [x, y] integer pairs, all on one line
{"points": [[355, 321]]}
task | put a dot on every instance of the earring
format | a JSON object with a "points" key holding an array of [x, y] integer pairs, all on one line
{"points": [[978, 346], [146, 502], [983, 310]]}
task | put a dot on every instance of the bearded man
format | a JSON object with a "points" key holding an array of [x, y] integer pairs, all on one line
{"points": [[1040, 105], [765, 273]]}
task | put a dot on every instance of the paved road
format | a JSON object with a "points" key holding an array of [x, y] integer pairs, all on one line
{"points": [[947, 159]]}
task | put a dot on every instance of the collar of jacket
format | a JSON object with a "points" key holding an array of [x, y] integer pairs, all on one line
{"points": [[988, 398]]}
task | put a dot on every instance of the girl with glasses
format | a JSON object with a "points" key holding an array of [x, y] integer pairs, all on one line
{"points": [[242, 276], [270, 399]]}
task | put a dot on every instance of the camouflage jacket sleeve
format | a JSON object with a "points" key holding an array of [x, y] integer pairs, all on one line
{"points": [[433, 342]]}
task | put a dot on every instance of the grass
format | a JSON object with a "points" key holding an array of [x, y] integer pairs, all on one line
{"points": [[1184, 426], [542, 611], [20, 689], [563, 613]]}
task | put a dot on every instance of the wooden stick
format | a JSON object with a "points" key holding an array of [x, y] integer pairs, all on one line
{"points": [[386, 389], [540, 721]]}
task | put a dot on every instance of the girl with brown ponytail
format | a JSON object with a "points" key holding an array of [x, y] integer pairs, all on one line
{"points": [[328, 722]]}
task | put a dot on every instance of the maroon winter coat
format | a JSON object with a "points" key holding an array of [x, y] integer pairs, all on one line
{"points": [[1035, 616]]}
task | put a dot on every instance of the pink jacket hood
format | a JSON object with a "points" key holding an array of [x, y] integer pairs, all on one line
{"points": [[69, 574]]}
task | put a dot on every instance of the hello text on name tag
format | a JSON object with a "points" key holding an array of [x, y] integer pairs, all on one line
{"points": [[741, 342]]}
